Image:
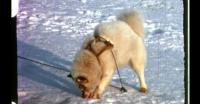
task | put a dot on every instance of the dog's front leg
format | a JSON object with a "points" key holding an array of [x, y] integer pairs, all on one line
{"points": [[106, 78]]}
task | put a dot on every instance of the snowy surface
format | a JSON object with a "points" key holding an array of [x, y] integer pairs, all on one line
{"points": [[51, 31]]}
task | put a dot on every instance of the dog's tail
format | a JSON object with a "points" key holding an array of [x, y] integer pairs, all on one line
{"points": [[134, 20]]}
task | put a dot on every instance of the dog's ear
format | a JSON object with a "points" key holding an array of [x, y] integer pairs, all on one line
{"points": [[81, 79], [69, 75]]}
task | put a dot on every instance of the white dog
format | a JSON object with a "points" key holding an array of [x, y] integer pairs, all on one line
{"points": [[94, 64]]}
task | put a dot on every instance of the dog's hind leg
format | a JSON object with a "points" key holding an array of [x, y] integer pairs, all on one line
{"points": [[138, 67]]}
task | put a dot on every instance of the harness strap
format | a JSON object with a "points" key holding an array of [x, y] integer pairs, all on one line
{"points": [[122, 89], [98, 38], [108, 46]]}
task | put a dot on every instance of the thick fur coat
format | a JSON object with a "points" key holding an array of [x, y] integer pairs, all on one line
{"points": [[94, 64]]}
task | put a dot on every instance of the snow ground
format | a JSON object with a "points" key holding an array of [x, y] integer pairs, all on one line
{"points": [[52, 31]]}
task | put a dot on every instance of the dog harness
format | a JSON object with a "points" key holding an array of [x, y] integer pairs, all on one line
{"points": [[108, 45]]}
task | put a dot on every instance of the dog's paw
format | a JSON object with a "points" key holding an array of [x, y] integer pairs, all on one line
{"points": [[143, 90], [96, 96], [91, 95]]}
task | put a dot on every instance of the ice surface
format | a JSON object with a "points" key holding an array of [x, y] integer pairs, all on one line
{"points": [[52, 31]]}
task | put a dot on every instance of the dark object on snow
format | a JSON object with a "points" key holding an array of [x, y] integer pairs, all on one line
{"points": [[122, 89]]}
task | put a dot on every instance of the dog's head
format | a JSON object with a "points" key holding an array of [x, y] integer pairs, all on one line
{"points": [[86, 72]]}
